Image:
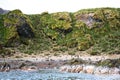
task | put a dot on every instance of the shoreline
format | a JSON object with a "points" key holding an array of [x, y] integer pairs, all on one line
{"points": [[61, 56], [34, 62]]}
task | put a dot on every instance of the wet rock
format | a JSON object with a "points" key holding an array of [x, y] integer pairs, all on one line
{"points": [[29, 68], [68, 69], [63, 68], [5, 67], [98, 70], [79, 69], [90, 69], [73, 69]]}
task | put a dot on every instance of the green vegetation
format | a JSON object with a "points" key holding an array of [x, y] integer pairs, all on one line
{"points": [[96, 30], [2, 29], [105, 63], [76, 61], [15, 29], [109, 63]]}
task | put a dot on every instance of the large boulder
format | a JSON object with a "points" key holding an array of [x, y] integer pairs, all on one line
{"points": [[97, 17], [16, 26], [5, 67]]}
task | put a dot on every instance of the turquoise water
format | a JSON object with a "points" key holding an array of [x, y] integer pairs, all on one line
{"points": [[53, 75]]}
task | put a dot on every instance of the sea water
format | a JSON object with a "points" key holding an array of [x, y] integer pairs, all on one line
{"points": [[50, 74]]}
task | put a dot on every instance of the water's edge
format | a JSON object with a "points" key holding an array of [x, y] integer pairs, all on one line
{"points": [[52, 74]]}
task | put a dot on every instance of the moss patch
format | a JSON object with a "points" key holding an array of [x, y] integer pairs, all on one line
{"points": [[16, 25], [109, 63], [97, 28]]}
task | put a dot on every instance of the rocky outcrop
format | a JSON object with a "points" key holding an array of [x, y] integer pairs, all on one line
{"points": [[25, 30], [29, 68], [107, 66], [17, 64], [2, 11], [95, 29], [90, 69], [17, 26], [109, 63], [77, 30], [5, 67]]}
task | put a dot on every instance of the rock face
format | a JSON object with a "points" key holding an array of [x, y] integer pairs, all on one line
{"points": [[16, 26], [25, 31], [77, 29], [96, 30], [2, 11]]}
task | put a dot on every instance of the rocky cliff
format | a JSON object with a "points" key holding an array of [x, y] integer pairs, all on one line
{"points": [[14, 26], [96, 30]]}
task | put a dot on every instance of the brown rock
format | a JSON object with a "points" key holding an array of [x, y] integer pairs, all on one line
{"points": [[73, 70], [89, 69], [78, 69], [1, 47], [68, 70]]}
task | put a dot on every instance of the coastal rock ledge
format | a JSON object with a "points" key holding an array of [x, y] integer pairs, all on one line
{"points": [[90, 69]]}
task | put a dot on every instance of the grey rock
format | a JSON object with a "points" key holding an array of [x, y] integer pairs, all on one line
{"points": [[2, 11]]}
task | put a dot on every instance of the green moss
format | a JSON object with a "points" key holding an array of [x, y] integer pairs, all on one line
{"points": [[56, 22], [109, 63], [76, 61], [12, 22], [79, 24], [67, 29], [2, 30], [5, 52], [97, 28]]}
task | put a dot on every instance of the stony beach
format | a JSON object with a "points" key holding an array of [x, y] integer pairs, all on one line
{"points": [[65, 63]]}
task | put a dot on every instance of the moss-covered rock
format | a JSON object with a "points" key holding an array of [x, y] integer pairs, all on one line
{"points": [[56, 24], [16, 26], [76, 61], [98, 17], [2, 29], [97, 28], [110, 63], [71, 29]]}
